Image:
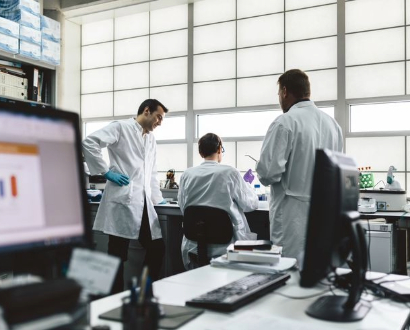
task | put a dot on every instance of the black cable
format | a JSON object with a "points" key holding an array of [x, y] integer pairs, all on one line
{"points": [[369, 262], [303, 297], [378, 183]]}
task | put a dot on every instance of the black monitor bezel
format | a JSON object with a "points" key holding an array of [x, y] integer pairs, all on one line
{"points": [[46, 111]]}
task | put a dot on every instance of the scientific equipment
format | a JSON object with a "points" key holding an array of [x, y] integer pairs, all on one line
{"points": [[392, 184], [367, 205], [251, 157], [386, 200], [366, 179], [170, 183]]}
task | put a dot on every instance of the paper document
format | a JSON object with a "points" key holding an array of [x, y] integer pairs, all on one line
{"points": [[284, 264], [262, 321], [95, 271]]}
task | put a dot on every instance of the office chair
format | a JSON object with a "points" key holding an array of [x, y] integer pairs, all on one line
{"points": [[207, 225]]}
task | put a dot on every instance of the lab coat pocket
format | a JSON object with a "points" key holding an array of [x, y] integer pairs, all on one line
{"points": [[121, 194]]}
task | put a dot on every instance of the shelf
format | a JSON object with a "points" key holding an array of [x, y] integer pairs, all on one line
{"points": [[25, 60]]}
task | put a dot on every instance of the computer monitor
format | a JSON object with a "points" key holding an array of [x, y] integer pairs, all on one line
{"points": [[333, 234], [42, 200]]}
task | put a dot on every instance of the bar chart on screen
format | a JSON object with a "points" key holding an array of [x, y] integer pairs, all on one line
{"points": [[21, 201]]}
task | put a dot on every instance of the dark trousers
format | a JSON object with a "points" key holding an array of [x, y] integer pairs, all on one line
{"points": [[155, 251]]}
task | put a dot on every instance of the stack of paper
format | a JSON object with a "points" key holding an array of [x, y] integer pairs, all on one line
{"points": [[271, 256], [284, 264]]}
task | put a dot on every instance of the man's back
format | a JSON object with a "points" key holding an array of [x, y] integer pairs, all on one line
{"points": [[286, 164]]}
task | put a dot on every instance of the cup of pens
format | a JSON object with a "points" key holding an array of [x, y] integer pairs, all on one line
{"points": [[140, 311]]}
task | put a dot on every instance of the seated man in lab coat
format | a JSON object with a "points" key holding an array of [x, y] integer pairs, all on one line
{"points": [[216, 185]]}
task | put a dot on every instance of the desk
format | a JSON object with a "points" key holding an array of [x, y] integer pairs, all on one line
{"points": [[176, 289]]}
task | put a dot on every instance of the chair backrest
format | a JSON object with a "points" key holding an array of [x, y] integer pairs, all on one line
{"points": [[212, 225]]}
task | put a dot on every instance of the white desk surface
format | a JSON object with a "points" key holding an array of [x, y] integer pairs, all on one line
{"points": [[176, 289]]}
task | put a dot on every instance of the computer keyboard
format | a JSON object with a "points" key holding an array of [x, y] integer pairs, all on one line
{"points": [[233, 295]]}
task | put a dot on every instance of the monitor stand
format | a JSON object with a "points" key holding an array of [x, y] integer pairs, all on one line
{"points": [[347, 308]]}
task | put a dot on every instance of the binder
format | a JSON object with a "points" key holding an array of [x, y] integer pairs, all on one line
{"points": [[11, 91], [11, 80]]}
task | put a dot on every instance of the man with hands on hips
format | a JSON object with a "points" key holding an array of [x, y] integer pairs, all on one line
{"points": [[127, 209]]}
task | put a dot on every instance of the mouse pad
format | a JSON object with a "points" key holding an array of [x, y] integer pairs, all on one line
{"points": [[174, 317]]}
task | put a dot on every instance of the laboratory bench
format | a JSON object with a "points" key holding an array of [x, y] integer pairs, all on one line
{"points": [[170, 219]]}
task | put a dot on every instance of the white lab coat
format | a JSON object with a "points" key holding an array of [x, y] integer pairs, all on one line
{"points": [[221, 186], [286, 164], [133, 154]]}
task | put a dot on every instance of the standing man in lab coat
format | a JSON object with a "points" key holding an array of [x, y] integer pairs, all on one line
{"points": [[127, 207], [216, 185], [288, 157]]}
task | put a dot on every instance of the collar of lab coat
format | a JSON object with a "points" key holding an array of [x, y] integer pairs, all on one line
{"points": [[209, 162], [302, 104]]}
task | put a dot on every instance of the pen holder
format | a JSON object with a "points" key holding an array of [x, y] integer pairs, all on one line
{"points": [[143, 316]]}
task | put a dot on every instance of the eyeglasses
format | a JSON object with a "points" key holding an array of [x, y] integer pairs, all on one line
{"points": [[222, 149]]}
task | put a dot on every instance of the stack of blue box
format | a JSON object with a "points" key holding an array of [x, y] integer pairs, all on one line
{"points": [[27, 14], [23, 30], [50, 36]]}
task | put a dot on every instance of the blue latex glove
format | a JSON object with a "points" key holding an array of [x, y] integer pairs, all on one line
{"points": [[119, 179], [249, 177], [162, 202]]}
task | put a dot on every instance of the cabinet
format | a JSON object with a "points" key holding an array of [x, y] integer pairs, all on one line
{"points": [[40, 75]]}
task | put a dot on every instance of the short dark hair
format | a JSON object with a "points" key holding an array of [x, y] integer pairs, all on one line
{"points": [[209, 144], [296, 82], [152, 105]]}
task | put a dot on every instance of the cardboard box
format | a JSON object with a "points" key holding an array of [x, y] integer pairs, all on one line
{"points": [[9, 44], [50, 29], [30, 50], [50, 52], [30, 35], [9, 27]]}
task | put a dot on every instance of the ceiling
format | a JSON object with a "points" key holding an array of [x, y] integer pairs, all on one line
{"points": [[86, 11]]}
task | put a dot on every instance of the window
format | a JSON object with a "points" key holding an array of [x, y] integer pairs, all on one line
{"points": [[242, 124]]}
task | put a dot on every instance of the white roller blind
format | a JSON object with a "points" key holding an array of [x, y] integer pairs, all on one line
{"points": [[311, 23], [375, 80], [212, 11], [171, 18], [257, 91], [214, 66], [170, 44], [168, 72], [97, 56], [96, 80], [214, 37], [216, 94], [131, 76], [373, 14], [175, 98], [132, 25], [128, 102], [260, 60], [312, 54], [248, 8], [366, 152], [96, 32], [323, 85], [171, 156], [131, 50], [375, 46], [296, 4], [260, 30], [97, 105]]}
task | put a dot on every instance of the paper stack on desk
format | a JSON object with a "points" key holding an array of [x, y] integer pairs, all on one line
{"points": [[284, 264], [271, 256]]}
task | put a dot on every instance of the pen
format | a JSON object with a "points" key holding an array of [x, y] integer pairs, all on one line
{"points": [[143, 285], [133, 289]]}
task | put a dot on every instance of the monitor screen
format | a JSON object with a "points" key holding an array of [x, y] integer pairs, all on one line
{"points": [[42, 200], [333, 233]]}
